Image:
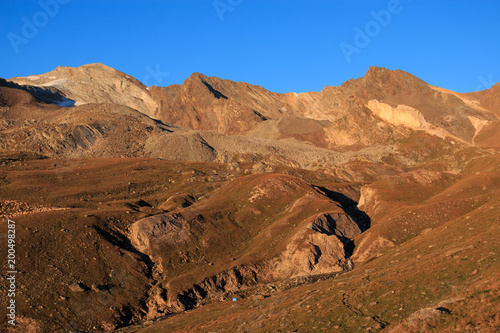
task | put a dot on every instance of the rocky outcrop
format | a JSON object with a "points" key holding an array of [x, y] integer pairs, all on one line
{"points": [[202, 103], [322, 247], [319, 244], [217, 287], [401, 115], [343, 226], [165, 228], [439, 108], [309, 253]]}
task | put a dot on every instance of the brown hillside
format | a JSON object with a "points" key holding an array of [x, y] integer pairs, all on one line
{"points": [[218, 206]]}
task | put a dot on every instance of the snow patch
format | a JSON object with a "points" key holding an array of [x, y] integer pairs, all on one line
{"points": [[31, 77], [55, 83], [66, 102]]}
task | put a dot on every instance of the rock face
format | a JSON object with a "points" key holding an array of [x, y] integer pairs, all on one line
{"points": [[320, 248], [341, 225], [309, 253], [78, 287], [379, 108], [201, 103], [93, 83], [439, 108], [298, 242], [165, 229]]}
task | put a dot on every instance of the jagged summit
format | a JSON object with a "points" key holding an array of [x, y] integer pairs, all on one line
{"points": [[229, 107], [381, 77], [197, 76], [377, 70], [96, 65]]}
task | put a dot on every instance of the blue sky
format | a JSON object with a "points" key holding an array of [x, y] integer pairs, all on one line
{"points": [[282, 45]]}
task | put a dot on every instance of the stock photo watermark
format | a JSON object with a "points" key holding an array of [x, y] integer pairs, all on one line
{"points": [[364, 36], [485, 82], [31, 27], [223, 6], [11, 272], [154, 74]]}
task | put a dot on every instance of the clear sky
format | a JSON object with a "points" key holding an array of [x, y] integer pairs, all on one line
{"points": [[282, 45]]}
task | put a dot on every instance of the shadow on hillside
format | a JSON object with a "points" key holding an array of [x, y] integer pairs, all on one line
{"points": [[350, 207], [217, 94], [124, 243], [49, 95]]}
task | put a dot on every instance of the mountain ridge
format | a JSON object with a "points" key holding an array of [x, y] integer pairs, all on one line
{"points": [[238, 107], [379, 109]]}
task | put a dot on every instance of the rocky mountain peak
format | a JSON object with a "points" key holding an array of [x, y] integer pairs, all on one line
{"points": [[97, 66], [229, 107], [196, 76], [91, 83], [388, 79]]}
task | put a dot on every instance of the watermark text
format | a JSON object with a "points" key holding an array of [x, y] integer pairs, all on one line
{"points": [[11, 272], [363, 37], [223, 6], [154, 74], [31, 27]]}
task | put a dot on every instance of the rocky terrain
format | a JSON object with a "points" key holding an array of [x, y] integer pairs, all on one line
{"points": [[218, 206]]}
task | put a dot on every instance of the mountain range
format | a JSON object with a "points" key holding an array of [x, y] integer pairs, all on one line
{"points": [[221, 206]]}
